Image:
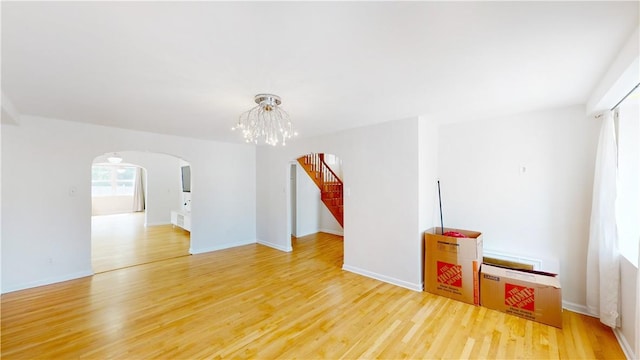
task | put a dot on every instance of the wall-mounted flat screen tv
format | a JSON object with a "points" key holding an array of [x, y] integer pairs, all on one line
{"points": [[186, 179]]}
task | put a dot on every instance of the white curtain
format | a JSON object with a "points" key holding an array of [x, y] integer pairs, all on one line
{"points": [[603, 262], [138, 191]]}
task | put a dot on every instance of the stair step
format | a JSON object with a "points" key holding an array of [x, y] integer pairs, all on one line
{"points": [[330, 187]]}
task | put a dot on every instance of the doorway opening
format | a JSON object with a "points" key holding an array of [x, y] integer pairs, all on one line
{"points": [[316, 199], [134, 195]]}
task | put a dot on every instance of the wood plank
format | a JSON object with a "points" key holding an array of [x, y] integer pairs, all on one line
{"points": [[119, 241], [257, 302]]}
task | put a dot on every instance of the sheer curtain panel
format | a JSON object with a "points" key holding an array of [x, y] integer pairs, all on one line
{"points": [[138, 191], [603, 262]]}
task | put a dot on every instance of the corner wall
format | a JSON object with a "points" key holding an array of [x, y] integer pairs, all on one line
{"points": [[428, 211], [308, 204], [526, 182], [46, 187], [380, 169], [626, 332]]}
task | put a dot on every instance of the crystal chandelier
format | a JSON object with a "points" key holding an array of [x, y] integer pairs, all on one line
{"points": [[266, 121]]}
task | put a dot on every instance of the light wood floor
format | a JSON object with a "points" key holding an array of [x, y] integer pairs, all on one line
{"points": [[122, 240], [257, 302]]}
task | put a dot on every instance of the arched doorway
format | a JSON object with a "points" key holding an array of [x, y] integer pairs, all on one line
{"points": [[316, 196], [133, 196]]}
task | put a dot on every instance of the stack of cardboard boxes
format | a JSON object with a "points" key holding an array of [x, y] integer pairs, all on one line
{"points": [[454, 268]]}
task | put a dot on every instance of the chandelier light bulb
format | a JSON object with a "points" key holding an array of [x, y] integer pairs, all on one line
{"points": [[266, 122]]}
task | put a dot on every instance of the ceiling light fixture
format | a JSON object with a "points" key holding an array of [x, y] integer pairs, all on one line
{"points": [[267, 121], [114, 158]]}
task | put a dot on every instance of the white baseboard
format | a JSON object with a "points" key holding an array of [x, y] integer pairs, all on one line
{"points": [[333, 232], [48, 281], [195, 251], [276, 246], [577, 308], [624, 344], [383, 278], [305, 234]]}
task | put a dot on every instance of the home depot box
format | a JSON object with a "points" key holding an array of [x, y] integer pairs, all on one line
{"points": [[530, 295], [451, 266]]}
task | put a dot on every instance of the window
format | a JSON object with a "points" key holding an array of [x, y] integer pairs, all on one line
{"points": [[108, 180], [628, 200]]}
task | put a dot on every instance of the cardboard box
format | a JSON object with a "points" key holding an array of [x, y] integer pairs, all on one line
{"points": [[452, 265], [528, 294]]}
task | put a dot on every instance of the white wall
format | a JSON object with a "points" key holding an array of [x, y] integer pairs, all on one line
{"points": [[428, 211], [380, 169], [46, 222], [428, 140], [107, 205], [328, 222], [628, 316], [308, 204], [627, 212], [525, 181], [2, 119], [163, 189], [628, 202], [621, 76]]}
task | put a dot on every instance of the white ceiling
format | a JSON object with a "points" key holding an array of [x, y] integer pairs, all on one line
{"points": [[190, 68]]}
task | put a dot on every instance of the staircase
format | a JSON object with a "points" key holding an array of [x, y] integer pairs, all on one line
{"points": [[328, 182]]}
